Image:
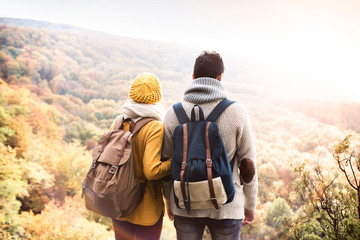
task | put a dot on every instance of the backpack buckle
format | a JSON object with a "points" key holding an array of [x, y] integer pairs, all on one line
{"points": [[208, 163], [93, 164], [183, 165], [113, 169]]}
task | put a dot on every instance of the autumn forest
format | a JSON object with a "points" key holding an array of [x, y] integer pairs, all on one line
{"points": [[61, 87]]}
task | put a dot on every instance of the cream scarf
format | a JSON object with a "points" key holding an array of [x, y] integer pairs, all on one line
{"points": [[137, 111]]}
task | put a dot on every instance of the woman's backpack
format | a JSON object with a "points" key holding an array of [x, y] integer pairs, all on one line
{"points": [[200, 167], [110, 187]]}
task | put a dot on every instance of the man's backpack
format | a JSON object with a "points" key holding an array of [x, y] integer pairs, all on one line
{"points": [[200, 167], [110, 187]]}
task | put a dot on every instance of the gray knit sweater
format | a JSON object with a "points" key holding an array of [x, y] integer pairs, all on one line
{"points": [[235, 131]]}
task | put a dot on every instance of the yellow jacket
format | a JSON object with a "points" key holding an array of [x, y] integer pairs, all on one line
{"points": [[146, 150]]}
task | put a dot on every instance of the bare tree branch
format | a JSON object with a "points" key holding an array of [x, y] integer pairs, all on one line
{"points": [[352, 169]]}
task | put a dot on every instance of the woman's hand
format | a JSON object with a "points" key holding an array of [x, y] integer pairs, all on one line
{"points": [[168, 210]]}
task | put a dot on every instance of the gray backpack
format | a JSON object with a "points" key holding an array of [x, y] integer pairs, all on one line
{"points": [[110, 187]]}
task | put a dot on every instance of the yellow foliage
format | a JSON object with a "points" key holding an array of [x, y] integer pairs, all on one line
{"points": [[17, 96], [74, 163], [22, 137], [43, 121], [29, 117], [2, 82], [66, 221], [11, 186], [81, 70]]}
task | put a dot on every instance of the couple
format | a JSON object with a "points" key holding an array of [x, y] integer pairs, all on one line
{"points": [[153, 143]]}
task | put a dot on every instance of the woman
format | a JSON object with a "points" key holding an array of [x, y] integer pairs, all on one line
{"points": [[145, 222]]}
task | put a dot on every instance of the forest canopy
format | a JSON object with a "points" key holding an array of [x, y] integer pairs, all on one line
{"points": [[61, 87]]}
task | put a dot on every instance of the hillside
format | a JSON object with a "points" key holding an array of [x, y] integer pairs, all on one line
{"points": [[62, 86]]}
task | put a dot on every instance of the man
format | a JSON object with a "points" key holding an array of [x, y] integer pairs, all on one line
{"points": [[207, 91]]}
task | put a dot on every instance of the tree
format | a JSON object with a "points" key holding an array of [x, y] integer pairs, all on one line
{"points": [[330, 203], [63, 221], [276, 212], [11, 186], [349, 163]]}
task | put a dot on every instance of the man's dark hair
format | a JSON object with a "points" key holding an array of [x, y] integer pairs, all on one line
{"points": [[208, 64]]}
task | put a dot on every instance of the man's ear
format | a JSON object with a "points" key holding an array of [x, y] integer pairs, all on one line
{"points": [[219, 77], [193, 77]]}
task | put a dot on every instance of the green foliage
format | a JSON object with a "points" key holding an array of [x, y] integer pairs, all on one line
{"points": [[330, 202], [342, 147], [318, 227], [81, 130], [37, 167], [277, 213], [77, 64], [11, 186], [5, 119], [267, 177], [62, 89], [72, 166]]}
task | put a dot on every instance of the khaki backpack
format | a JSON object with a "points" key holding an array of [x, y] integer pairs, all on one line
{"points": [[110, 187]]}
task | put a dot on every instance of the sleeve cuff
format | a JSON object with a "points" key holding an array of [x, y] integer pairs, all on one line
{"points": [[250, 194]]}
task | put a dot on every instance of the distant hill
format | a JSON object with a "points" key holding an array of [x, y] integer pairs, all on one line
{"points": [[123, 56], [67, 60], [31, 23], [84, 63]]}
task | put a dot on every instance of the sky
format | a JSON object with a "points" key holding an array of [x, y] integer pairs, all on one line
{"points": [[314, 38]]}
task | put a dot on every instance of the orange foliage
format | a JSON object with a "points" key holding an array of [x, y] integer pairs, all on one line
{"points": [[22, 137], [66, 221], [43, 121], [55, 217]]}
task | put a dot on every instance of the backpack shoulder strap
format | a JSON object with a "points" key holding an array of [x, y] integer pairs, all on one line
{"points": [[139, 124], [219, 109], [180, 113], [118, 122]]}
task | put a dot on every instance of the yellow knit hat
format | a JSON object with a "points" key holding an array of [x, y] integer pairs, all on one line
{"points": [[146, 88]]}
